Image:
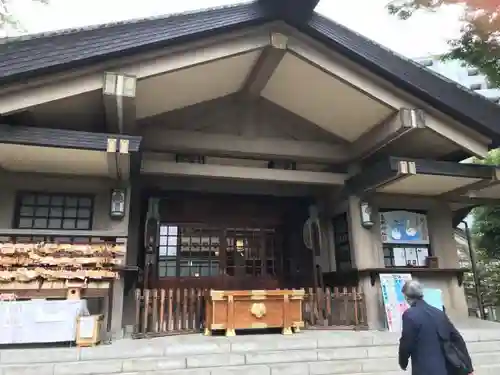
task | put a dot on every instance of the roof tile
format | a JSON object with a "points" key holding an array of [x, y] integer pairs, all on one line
{"points": [[47, 51]]}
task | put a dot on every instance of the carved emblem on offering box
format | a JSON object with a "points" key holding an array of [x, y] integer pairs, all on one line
{"points": [[258, 310]]}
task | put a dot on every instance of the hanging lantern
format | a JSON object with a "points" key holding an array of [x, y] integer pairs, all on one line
{"points": [[366, 215]]}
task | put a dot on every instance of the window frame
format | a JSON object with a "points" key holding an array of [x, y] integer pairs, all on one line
{"points": [[391, 246], [19, 204], [218, 264], [472, 72]]}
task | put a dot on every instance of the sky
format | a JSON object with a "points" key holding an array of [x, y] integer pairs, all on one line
{"points": [[425, 33]]}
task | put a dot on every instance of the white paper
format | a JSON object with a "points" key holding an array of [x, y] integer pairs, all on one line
{"points": [[86, 327], [39, 321], [49, 312], [411, 256], [422, 254], [399, 257]]}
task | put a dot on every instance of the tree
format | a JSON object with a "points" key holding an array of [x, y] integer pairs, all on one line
{"points": [[7, 18], [486, 223], [479, 43], [488, 273]]}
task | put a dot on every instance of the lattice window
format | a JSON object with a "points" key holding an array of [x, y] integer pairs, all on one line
{"points": [[54, 211]]}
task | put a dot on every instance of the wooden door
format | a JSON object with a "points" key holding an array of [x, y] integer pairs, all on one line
{"points": [[202, 256]]}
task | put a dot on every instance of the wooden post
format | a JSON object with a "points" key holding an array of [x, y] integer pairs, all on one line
{"points": [[170, 321], [162, 310], [145, 317], [230, 331], [287, 324], [138, 297], [154, 315]]}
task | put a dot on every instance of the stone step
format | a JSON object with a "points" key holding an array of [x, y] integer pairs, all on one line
{"points": [[371, 344], [317, 361], [310, 353]]}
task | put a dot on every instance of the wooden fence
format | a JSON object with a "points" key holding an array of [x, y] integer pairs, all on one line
{"points": [[168, 311], [173, 311], [334, 308]]}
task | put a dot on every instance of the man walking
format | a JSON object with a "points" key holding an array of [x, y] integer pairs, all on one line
{"points": [[430, 339]]}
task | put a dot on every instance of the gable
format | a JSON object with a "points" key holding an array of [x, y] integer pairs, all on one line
{"points": [[104, 45], [233, 115]]}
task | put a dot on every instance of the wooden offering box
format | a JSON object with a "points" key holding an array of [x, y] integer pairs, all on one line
{"points": [[254, 309]]}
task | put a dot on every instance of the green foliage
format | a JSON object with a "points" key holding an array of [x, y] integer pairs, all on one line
{"points": [[486, 224], [479, 43], [488, 272]]}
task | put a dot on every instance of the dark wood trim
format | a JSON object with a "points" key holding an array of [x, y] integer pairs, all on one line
{"points": [[387, 170], [106, 234], [59, 138], [445, 168], [55, 293], [377, 175], [388, 131], [375, 272]]}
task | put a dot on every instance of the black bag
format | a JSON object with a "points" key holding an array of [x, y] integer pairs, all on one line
{"points": [[456, 359]]}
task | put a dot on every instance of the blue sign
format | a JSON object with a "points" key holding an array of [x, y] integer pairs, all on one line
{"points": [[403, 227], [434, 297]]}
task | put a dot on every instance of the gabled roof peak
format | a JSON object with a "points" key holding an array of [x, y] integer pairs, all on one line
{"points": [[75, 30], [290, 10]]}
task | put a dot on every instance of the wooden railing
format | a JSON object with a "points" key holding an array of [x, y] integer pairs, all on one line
{"points": [[168, 311], [335, 308], [173, 311]]}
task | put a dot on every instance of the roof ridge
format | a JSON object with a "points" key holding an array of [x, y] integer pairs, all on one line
{"points": [[74, 30], [407, 59]]}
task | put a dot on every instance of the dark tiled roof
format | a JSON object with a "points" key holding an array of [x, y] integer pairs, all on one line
{"points": [[29, 57], [25, 135], [447, 96]]}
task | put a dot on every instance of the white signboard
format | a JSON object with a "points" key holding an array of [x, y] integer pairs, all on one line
{"points": [[403, 227], [394, 301]]}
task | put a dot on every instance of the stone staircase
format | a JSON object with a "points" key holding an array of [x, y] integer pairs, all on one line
{"points": [[311, 352]]}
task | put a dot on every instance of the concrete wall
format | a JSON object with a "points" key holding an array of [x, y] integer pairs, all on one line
{"points": [[367, 250], [12, 183]]}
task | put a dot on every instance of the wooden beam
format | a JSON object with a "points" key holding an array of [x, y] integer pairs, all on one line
{"points": [[111, 155], [119, 102], [461, 139], [168, 168], [123, 160], [231, 145], [169, 61], [376, 176], [388, 131], [473, 187], [265, 66]]}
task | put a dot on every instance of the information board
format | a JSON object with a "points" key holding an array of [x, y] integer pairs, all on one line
{"points": [[434, 297], [394, 301], [403, 227]]}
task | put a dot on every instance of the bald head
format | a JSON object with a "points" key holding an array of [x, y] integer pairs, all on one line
{"points": [[413, 290]]}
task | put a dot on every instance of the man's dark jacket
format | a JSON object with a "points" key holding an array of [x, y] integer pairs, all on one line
{"points": [[423, 325]]}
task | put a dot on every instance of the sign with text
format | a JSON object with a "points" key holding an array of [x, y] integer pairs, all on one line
{"points": [[403, 227], [394, 301]]}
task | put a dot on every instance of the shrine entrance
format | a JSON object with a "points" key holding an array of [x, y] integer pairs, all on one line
{"points": [[231, 242]]}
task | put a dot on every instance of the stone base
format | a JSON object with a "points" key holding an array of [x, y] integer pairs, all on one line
{"points": [[308, 353]]}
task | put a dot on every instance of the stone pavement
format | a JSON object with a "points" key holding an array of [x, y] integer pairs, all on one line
{"points": [[307, 353]]}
